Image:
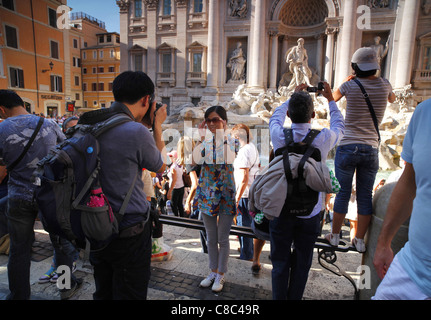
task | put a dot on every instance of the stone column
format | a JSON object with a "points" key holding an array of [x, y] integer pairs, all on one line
{"points": [[255, 69], [181, 65], [284, 48], [152, 40], [329, 56], [319, 56], [124, 34], [347, 40], [213, 45], [273, 61], [406, 44]]}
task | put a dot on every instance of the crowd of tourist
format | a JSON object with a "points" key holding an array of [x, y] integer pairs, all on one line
{"points": [[216, 190]]}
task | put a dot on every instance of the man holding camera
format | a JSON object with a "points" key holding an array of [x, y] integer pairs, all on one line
{"points": [[122, 269], [291, 267]]}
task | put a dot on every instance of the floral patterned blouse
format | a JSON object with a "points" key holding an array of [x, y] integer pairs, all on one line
{"points": [[216, 188]]}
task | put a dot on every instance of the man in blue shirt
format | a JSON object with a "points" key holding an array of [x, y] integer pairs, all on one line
{"points": [[122, 269], [408, 275], [290, 268], [15, 133]]}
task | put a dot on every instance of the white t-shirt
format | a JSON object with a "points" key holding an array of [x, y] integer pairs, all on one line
{"points": [[179, 173], [247, 157]]}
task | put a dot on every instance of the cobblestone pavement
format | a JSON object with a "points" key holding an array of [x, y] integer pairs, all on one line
{"points": [[179, 278]]}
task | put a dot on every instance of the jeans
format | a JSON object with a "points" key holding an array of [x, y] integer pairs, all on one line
{"points": [[122, 269], [244, 219], [291, 267], [177, 202], [65, 254], [363, 159], [21, 215], [3, 219]]}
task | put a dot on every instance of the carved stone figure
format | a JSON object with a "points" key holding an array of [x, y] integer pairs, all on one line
{"points": [[238, 8], [297, 59], [381, 51], [379, 3], [237, 64]]}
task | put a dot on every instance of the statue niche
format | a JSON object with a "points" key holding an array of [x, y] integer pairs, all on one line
{"points": [[236, 65]]}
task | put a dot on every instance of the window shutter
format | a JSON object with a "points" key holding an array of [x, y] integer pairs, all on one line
{"points": [[21, 78]]}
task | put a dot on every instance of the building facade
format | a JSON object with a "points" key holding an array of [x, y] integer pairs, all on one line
{"points": [[41, 54], [100, 66], [33, 54], [201, 50]]}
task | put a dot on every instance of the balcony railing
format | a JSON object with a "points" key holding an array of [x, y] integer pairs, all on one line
{"points": [[422, 75], [196, 77]]}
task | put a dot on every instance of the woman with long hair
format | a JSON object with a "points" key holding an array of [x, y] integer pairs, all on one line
{"points": [[216, 192]]}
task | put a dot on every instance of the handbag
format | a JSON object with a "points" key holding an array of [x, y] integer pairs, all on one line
{"points": [[370, 106]]}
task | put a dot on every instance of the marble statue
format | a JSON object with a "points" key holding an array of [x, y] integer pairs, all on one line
{"points": [[297, 59], [381, 51], [237, 64], [238, 8]]}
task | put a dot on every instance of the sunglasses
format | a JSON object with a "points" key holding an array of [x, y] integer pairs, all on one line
{"points": [[213, 120]]}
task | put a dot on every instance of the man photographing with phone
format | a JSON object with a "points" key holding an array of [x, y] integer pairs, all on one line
{"points": [[122, 269]]}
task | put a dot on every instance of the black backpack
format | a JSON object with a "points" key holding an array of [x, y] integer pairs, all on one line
{"points": [[300, 199], [69, 195]]}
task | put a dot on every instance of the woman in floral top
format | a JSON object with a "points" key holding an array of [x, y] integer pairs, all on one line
{"points": [[216, 191]]}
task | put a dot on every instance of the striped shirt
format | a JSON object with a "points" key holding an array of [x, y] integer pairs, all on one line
{"points": [[359, 123]]}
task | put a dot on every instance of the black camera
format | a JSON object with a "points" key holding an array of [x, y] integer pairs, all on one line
{"points": [[315, 89], [147, 118], [158, 106]]}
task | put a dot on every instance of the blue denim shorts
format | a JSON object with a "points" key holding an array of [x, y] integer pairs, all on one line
{"points": [[364, 160]]}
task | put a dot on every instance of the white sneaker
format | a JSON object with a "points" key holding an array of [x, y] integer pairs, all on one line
{"points": [[205, 283], [359, 245], [218, 283], [333, 239]]}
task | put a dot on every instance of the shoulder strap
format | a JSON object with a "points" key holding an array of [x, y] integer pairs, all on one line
{"points": [[98, 129], [370, 106], [288, 136], [311, 135], [309, 138], [115, 120], [27, 146]]}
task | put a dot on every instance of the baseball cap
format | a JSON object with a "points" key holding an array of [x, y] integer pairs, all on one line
{"points": [[366, 59]]}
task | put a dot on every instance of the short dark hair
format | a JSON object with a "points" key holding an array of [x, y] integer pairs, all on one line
{"points": [[66, 122], [300, 107], [217, 109], [362, 74], [10, 99], [130, 86]]}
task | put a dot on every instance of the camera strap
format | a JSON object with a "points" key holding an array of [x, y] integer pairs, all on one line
{"points": [[370, 106]]}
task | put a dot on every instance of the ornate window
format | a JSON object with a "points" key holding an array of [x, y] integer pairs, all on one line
{"points": [[198, 13], [167, 16], [138, 56], [422, 74], [166, 68], [166, 7], [197, 55], [138, 8], [198, 6]]}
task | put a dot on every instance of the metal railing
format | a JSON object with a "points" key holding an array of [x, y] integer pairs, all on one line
{"points": [[326, 253]]}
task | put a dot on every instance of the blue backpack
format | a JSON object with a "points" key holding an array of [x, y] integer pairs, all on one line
{"points": [[69, 195]]}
